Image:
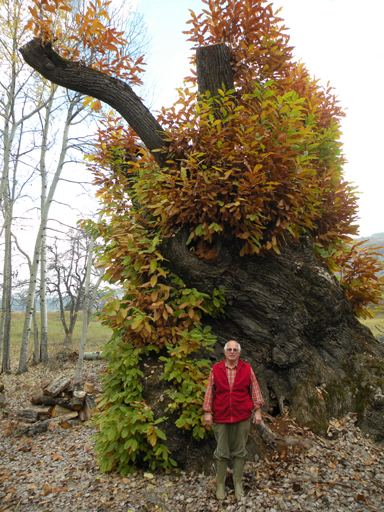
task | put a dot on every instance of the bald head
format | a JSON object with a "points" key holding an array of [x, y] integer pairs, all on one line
{"points": [[233, 341]]}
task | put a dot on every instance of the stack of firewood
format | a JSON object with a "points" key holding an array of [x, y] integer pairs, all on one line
{"points": [[58, 399]]}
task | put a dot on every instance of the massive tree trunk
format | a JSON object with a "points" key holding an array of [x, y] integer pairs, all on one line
{"points": [[297, 329], [290, 314]]}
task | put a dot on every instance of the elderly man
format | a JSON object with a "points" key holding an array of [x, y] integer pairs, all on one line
{"points": [[231, 396]]}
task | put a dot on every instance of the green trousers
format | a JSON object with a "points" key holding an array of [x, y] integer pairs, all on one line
{"points": [[231, 439]]}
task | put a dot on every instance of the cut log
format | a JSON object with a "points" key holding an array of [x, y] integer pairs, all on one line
{"points": [[68, 416], [43, 426], [90, 406], [59, 411], [56, 386], [34, 414], [92, 356], [78, 393], [41, 399], [88, 387], [77, 403], [36, 428], [46, 383]]}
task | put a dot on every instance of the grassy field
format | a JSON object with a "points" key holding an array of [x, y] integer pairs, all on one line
{"points": [[374, 323], [97, 334]]}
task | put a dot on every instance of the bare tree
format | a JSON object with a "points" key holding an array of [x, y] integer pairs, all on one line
{"points": [[14, 112], [88, 302], [70, 273]]}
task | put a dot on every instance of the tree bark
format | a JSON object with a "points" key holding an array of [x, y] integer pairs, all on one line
{"points": [[213, 67], [57, 386], [116, 93], [93, 356]]}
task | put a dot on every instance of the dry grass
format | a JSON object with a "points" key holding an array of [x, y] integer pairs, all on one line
{"points": [[376, 324], [97, 335]]}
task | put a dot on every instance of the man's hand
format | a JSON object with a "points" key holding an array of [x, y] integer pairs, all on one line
{"points": [[208, 418], [257, 417]]}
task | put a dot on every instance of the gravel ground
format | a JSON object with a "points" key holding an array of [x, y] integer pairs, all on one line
{"points": [[57, 471]]}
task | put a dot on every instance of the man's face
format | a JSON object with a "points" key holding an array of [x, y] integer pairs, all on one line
{"points": [[232, 352]]}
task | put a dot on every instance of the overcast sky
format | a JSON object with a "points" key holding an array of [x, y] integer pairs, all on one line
{"points": [[340, 41]]}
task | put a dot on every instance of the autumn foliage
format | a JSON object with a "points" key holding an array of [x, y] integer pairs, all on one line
{"points": [[261, 164], [85, 36]]}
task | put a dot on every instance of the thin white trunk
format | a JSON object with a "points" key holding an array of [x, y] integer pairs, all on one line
{"points": [[8, 136], [36, 347], [87, 308], [43, 301], [2, 326], [14, 116], [94, 293], [7, 290], [37, 252], [43, 254]]}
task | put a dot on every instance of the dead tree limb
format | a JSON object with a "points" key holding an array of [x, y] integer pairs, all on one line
{"points": [[113, 91]]}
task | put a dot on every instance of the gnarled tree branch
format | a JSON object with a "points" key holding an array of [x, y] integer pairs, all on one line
{"points": [[113, 91]]}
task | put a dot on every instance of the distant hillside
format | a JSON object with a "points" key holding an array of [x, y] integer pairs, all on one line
{"points": [[19, 305], [376, 239]]}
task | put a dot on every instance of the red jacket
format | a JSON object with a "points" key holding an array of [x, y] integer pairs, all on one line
{"points": [[231, 406]]}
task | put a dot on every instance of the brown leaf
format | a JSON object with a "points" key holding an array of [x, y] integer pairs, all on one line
{"points": [[46, 488]]}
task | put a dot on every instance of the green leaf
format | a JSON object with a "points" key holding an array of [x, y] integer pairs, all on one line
{"points": [[153, 265]]}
